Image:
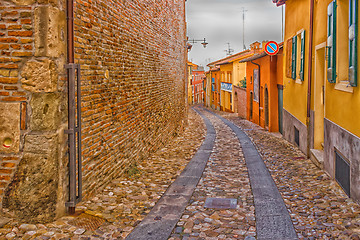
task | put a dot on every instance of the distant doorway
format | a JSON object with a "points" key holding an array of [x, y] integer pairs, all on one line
{"points": [[319, 97], [280, 108], [251, 105], [236, 103], [266, 108]]}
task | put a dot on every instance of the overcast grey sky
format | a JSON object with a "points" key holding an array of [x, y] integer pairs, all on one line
{"points": [[220, 22]]}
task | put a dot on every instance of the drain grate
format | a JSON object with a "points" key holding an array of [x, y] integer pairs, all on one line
{"points": [[221, 203], [88, 222]]}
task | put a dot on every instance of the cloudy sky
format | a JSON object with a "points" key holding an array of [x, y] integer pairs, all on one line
{"points": [[220, 22]]}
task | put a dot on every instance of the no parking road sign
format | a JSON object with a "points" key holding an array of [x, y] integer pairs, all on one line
{"points": [[271, 48]]}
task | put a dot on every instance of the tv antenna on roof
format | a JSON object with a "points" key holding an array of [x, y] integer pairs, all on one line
{"points": [[229, 51], [243, 16]]}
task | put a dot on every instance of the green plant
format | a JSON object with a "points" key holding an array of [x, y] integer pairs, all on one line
{"points": [[243, 83]]}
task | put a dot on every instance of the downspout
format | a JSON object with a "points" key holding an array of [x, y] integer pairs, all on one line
{"points": [[71, 110], [310, 75], [259, 90]]}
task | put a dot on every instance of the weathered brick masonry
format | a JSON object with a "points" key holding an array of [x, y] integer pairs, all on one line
{"points": [[32, 108], [132, 58]]}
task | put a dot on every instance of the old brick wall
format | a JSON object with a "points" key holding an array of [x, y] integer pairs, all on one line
{"points": [[241, 101], [32, 108], [132, 56]]}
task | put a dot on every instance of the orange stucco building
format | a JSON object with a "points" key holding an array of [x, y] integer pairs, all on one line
{"points": [[264, 85]]}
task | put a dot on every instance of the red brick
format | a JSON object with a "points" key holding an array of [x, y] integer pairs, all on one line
{"points": [[10, 66], [14, 99], [15, 46], [4, 178], [10, 158], [8, 80], [14, 27], [20, 33], [25, 21], [4, 93], [25, 14], [18, 93], [12, 13], [23, 116], [28, 47], [9, 40], [2, 26], [11, 88], [21, 54], [4, 46], [26, 40], [7, 171], [8, 164]]}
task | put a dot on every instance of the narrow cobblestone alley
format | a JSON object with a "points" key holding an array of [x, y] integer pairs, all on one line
{"points": [[225, 176], [318, 207]]}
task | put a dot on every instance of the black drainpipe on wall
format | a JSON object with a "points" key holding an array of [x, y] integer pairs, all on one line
{"points": [[259, 90], [310, 77], [74, 115]]}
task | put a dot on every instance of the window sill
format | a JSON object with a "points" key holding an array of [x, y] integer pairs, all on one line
{"points": [[298, 81], [344, 86]]}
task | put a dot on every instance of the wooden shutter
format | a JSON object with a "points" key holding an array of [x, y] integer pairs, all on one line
{"points": [[353, 25], [302, 56], [331, 42], [293, 57], [288, 57]]}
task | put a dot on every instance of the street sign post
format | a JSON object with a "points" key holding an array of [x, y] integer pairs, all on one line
{"points": [[271, 48]]}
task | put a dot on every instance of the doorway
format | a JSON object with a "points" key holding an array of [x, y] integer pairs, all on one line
{"points": [[280, 107], [251, 105], [319, 97], [266, 108]]}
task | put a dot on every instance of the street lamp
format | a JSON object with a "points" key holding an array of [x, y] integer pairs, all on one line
{"points": [[189, 45]]}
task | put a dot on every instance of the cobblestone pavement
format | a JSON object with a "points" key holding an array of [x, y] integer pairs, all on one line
{"points": [[318, 207], [127, 200], [225, 176]]}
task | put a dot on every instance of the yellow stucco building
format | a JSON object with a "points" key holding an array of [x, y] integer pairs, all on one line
{"points": [[321, 93], [190, 67], [230, 74]]}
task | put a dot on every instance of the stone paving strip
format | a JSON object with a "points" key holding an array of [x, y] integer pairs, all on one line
{"points": [[272, 218], [119, 207], [161, 220], [225, 177], [318, 207]]}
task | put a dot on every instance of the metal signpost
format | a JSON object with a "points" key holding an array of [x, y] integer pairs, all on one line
{"points": [[271, 48]]}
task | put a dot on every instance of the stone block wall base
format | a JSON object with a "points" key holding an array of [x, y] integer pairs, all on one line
{"points": [[289, 124], [348, 145]]}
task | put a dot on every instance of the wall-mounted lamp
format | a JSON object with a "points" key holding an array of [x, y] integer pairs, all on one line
{"points": [[192, 41]]}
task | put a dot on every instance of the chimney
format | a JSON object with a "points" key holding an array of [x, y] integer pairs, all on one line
{"points": [[263, 43], [255, 46]]}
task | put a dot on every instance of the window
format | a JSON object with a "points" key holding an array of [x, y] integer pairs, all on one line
{"points": [[298, 56], [342, 33], [331, 42], [353, 28]]}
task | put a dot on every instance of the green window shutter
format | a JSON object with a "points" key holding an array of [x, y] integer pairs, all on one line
{"points": [[293, 57], [302, 57], [353, 25], [331, 42]]}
